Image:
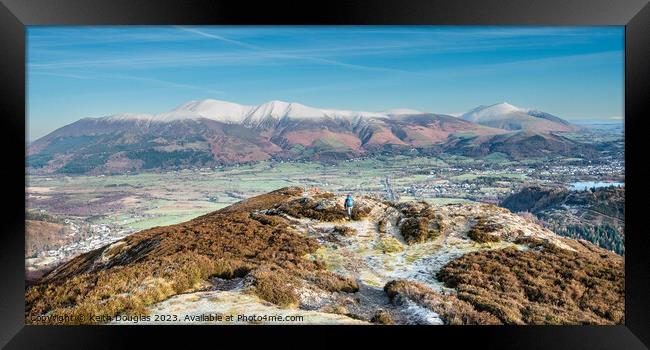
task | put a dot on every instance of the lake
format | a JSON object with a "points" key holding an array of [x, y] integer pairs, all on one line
{"points": [[583, 185]]}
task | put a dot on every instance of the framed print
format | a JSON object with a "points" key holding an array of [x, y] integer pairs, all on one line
{"points": [[368, 169]]}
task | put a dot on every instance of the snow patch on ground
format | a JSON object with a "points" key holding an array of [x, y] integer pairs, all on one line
{"points": [[417, 314]]}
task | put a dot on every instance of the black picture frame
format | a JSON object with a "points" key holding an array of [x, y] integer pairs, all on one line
{"points": [[633, 14]]}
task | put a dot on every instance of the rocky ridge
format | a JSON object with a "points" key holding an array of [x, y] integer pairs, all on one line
{"points": [[292, 252]]}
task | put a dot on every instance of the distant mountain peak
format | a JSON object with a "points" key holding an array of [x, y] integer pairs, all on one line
{"points": [[507, 116], [491, 110]]}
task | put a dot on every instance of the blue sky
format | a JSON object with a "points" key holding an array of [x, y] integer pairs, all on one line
{"points": [[76, 72]]}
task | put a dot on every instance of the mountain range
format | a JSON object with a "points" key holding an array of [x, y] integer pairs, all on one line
{"points": [[212, 132]]}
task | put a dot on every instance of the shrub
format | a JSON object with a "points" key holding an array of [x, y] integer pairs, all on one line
{"points": [[450, 309], [324, 195], [275, 286], [122, 289], [481, 237], [420, 229], [415, 230], [309, 208], [345, 230], [382, 317], [231, 268], [547, 285], [420, 223], [360, 213], [480, 232], [332, 282]]}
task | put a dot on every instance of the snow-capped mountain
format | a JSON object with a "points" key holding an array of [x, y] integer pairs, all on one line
{"points": [[482, 113], [233, 113], [506, 116], [210, 132]]}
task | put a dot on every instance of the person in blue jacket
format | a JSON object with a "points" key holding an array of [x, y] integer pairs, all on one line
{"points": [[348, 204]]}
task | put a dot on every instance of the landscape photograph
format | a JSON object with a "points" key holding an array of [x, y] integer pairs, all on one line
{"points": [[347, 175]]}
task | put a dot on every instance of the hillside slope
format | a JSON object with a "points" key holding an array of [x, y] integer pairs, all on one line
{"points": [[519, 145], [292, 252], [595, 215]]}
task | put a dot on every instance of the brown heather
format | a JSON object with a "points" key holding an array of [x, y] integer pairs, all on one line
{"points": [[332, 282], [451, 310], [382, 317], [359, 213], [154, 264], [543, 285], [480, 232], [308, 208], [420, 224], [276, 285], [345, 230]]}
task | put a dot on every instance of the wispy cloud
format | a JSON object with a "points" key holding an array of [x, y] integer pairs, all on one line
{"points": [[183, 59], [487, 69], [168, 83], [271, 54], [329, 49], [60, 75], [217, 37], [158, 82]]}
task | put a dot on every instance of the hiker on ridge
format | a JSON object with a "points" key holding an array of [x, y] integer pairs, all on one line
{"points": [[348, 204]]}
